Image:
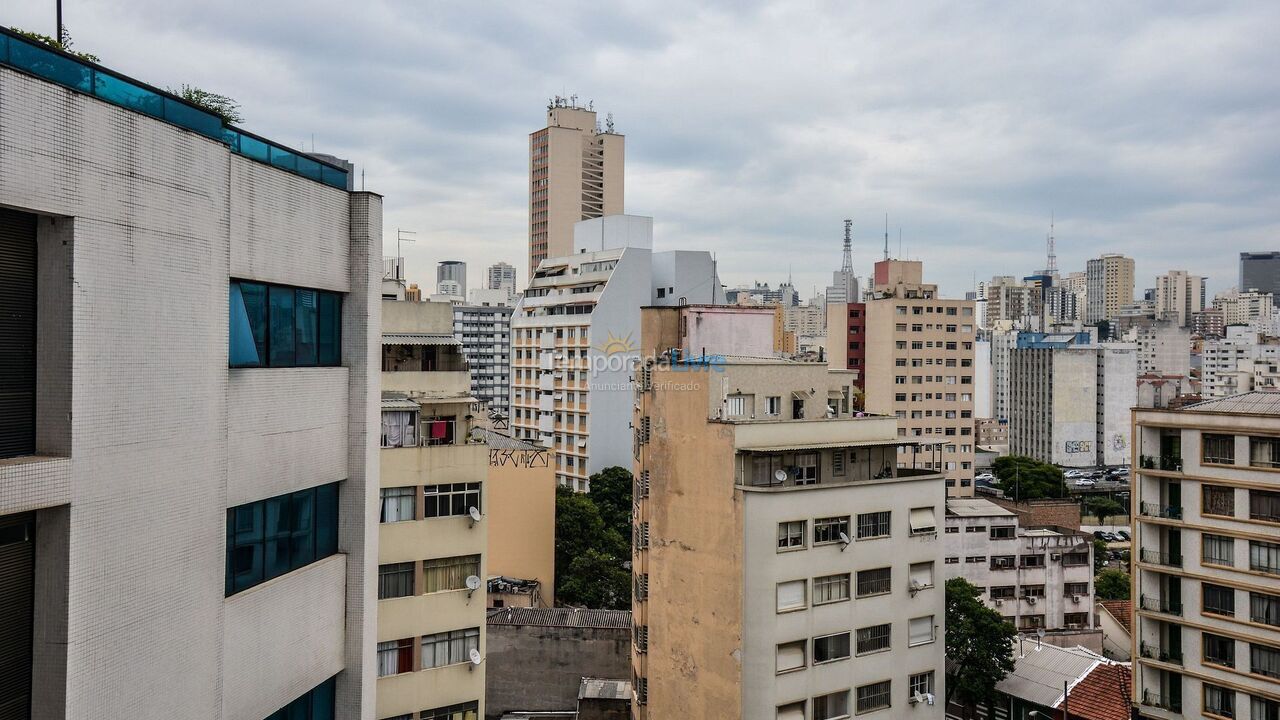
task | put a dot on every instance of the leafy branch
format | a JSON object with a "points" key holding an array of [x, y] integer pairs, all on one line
{"points": [[221, 105], [63, 45]]}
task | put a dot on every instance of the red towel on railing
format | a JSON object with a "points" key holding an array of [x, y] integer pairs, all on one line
{"points": [[437, 429]]}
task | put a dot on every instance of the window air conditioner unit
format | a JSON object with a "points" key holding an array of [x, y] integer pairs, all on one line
{"points": [[1075, 599], [999, 602], [1055, 556], [1031, 599]]}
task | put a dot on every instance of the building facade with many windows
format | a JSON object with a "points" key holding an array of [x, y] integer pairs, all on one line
{"points": [[784, 565], [1206, 536], [485, 332], [432, 523], [187, 383]]}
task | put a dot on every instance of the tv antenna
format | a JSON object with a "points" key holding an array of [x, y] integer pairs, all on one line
{"points": [[401, 237], [1051, 265], [886, 236], [846, 266]]}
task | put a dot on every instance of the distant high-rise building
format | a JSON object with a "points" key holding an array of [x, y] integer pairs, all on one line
{"points": [[1164, 348], [1242, 308], [485, 332], [575, 173], [451, 278], [501, 276], [1179, 294], [844, 284], [1208, 323], [1260, 271], [1109, 286]]}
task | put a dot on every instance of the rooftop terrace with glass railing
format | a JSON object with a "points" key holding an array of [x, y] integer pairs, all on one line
{"points": [[74, 73]]}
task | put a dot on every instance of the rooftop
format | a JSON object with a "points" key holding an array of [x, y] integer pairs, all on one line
{"points": [[1103, 694], [1040, 671], [601, 689], [975, 507], [560, 617], [88, 78], [1250, 403], [1121, 610]]}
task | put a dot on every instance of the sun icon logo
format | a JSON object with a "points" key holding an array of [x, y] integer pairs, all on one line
{"points": [[614, 344]]}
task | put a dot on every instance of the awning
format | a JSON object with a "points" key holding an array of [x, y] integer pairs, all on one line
{"points": [[837, 444], [400, 404], [922, 520], [419, 339], [447, 400]]}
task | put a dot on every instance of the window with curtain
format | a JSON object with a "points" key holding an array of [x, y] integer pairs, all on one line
{"points": [[828, 530], [1264, 660], [1218, 449], [463, 711], [451, 573], [395, 657], [1264, 452], [1264, 557], [834, 705], [1264, 505], [791, 534], [1264, 608], [282, 326], [395, 580], [920, 684], [790, 656], [830, 588], [397, 504], [1219, 650], [920, 631], [449, 648], [399, 428], [1263, 709], [1217, 549], [1219, 600], [268, 538], [830, 648], [791, 595], [1219, 700], [1218, 500]]}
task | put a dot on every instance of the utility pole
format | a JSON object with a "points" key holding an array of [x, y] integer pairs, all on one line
{"points": [[61, 32]]}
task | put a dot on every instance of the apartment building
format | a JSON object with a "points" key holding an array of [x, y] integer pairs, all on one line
{"points": [[1069, 402], [1260, 271], [502, 276], [1008, 299], [451, 278], [1206, 533], [1220, 359], [919, 366], [1179, 294], [785, 564], [1035, 577], [432, 523], [1243, 308], [485, 333], [574, 340], [575, 173], [1108, 286], [1208, 323], [187, 345], [1164, 347]]}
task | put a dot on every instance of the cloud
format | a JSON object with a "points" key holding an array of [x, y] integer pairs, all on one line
{"points": [[754, 129]]}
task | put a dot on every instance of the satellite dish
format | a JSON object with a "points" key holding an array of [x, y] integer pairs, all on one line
{"points": [[844, 538], [473, 583], [474, 512], [780, 475], [475, 656], [1040, 633]]}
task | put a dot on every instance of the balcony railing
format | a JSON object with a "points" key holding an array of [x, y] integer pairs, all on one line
{"points": [[1154, 652], [1154, 699], [72, 72], [1156, 557], [1160, 605], [1171, 462], [1169, 512]]}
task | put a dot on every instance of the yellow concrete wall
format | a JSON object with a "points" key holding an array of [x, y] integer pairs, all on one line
{"points": [[422, 317], [521, 519]]}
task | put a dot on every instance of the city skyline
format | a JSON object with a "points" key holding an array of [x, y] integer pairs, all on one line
{"points": [[759, 161]]}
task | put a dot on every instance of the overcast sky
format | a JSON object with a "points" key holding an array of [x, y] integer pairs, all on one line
{"points": [[754, 129]]}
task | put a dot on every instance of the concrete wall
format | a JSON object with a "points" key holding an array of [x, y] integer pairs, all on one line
{"points": [[688, 276], [1119, 394], [411, 317], [728, 330], [540, 668], [522, 522]]}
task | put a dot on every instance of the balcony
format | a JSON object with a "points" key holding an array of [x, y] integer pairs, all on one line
{"points": [[1156, 510], [1154, 652], [1157, 557], [1154, 699], [1160, 605]]}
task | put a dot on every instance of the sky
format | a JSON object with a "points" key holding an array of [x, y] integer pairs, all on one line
{"points": [[754, 129]]}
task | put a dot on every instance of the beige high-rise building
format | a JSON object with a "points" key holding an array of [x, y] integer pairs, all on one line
{"points": [[785, 566], [432, 522], [575, 173], [1180, 295], [1108, 286], [919, 366], [1206, 537]]}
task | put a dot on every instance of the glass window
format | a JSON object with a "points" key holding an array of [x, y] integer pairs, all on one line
{"points": [[830, 648], [1264, 660], [306, 304], [281, 324], [1219, 650], [1264, 452], [329, 329], [316, 704], [920, 631], [1219, 700], [873, 525], [790, 656], [449, 648], [451, 500], [791, 595], [1263, 709], [248, 324], [1264, 505], [829, 530], [1218, 500], [395, 580], [1003, 532], [1264, 557], [791, 535], [397, 504], [1219, 600], [271, 537], [395, 657], [1218, 449], [278, 326], [874, 638], [1264, 608], [873, 697], [1217, 550], [463, 711], [920, 684], [441, 574], [834, 705], [830, 588], [874, 582]]}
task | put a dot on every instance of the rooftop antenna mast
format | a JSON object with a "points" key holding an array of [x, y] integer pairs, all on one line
{"points": [[886, 236], [400, 237], [1051, 266], [847, 265]]}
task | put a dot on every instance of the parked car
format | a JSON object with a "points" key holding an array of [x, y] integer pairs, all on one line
{"points": [[1084, 482], [1124, 536], [1103, 536], [985, 477], [1073, 473]]}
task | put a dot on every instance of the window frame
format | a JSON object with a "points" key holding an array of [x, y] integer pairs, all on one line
{"points": [[800, 535], [834, 658], [1220, 443], [831, 527], [879, 522], [879, 636], [887, 582], [327, 308], [836, 580], [886, 693]]}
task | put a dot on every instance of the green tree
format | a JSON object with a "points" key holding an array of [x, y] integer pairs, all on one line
{"points": [[979, 646], [220, 105], [611, 492], [1104, 507], [64, 44], [1099, 555], [589, 554], [1023, 478], [1111, 584], [596, 580]]}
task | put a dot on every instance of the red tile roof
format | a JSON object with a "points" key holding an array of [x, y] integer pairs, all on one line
{"points": [[1103, 694], [1121, 610]]}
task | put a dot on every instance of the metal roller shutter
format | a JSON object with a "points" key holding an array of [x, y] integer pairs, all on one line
{"points": [[17, 333], [17, 577]]}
